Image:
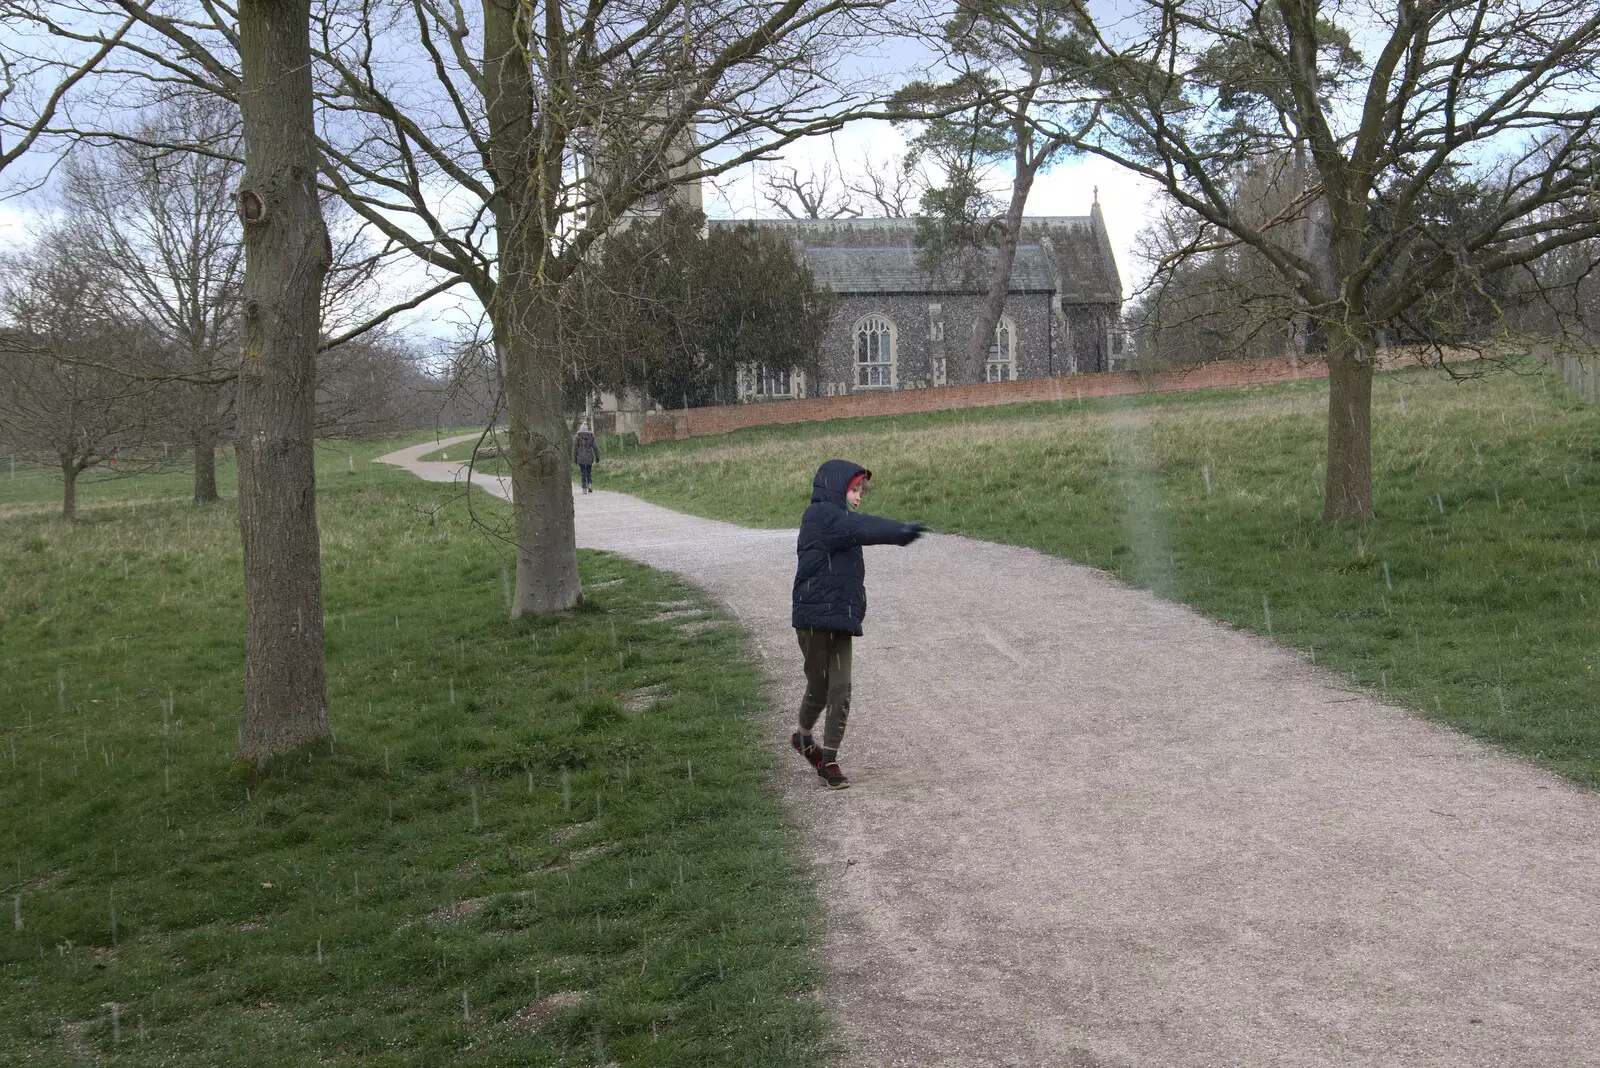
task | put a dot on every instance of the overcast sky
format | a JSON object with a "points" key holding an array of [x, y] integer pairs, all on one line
{"points": [[1067, 189], [1126, 200]]}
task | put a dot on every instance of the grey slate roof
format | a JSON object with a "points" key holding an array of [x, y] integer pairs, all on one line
{"points": [[1066, 254]]}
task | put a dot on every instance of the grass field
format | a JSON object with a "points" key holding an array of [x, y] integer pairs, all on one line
{"points": [[1473, 596], [542, 843], [28, 489]]}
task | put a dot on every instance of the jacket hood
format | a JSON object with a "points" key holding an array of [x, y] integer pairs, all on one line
{"points": [[833, 478]]}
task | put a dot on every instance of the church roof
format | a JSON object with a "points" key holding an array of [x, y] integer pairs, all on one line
{"points": [[1069, 255]]}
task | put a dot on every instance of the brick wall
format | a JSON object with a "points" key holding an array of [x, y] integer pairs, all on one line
{"points": [[696, 422]]}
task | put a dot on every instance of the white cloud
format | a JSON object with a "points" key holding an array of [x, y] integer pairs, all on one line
{"points": [[15, 225], [1127, 201]]}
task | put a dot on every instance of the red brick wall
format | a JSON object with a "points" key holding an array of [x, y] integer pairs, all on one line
{"points": [[695, 422]]}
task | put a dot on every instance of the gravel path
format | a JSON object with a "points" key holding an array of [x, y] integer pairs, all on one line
{"points": [[1091, 828]]}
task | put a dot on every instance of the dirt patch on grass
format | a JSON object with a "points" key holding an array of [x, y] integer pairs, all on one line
{"points": [[668, 617], [45, 881], [572, 830], [72, 1034], [578, 856], [642, 699], [461, 910], [535, 1014]]}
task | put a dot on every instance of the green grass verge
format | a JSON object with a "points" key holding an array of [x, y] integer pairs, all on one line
{"points": [[543, 843], [1473, 596]]}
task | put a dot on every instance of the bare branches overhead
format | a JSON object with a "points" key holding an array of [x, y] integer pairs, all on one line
{"points": [[41, 65], [819, 193]]}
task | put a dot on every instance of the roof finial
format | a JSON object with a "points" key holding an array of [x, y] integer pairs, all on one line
{"points": [[1097, 194]]}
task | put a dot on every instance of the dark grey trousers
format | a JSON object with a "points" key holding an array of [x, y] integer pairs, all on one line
{"points": [[827, 664]]}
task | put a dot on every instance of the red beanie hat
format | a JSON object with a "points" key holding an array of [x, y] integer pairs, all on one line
{"points": [[857, 480]]}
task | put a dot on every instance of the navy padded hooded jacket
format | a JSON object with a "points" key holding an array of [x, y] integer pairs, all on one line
{"points": [[830, 591]]}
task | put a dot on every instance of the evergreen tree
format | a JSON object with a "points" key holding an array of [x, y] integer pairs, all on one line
{"points": [[673, 309]]}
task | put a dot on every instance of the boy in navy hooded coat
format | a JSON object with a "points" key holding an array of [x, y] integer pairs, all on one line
{"points": [[830, 599]]}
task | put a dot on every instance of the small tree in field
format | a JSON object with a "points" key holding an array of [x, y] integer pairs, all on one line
{"points": [[56, 406]]}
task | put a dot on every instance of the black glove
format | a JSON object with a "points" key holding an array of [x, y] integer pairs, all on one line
{"points": [[917, 530]]}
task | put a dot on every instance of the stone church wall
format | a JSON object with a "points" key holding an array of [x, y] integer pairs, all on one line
{"points": [[933, 326]]}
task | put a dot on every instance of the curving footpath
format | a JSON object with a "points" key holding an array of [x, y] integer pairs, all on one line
{"points": [[1089, 828]]}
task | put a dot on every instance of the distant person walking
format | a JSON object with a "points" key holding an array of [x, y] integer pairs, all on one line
{"points": [[585, 452], [830, 600]]}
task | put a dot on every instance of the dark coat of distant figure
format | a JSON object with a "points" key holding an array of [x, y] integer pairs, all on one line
{"points": [[584, 449]]}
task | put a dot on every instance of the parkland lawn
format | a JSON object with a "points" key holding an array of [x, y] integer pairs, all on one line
{"points": [[551, 842], [1473, 596], [543, 843]]}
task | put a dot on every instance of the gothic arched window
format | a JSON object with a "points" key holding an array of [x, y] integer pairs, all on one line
{"points": [[1002, 363], [875, 351]]}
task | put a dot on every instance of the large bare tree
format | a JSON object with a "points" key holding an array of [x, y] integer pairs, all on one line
{"points": [[821, 192], [287, 253], [1211, 298], [267, 72], [499, 143], [560, 124], [159, 213], [1389, 103], [890, 186]]}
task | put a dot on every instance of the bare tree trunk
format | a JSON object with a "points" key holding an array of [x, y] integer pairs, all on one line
{"points": [[69, 495], [1300, 321], [976, 357], [541, 478], [205, 464], [1348, 492], [286, 257], [524, 328]]}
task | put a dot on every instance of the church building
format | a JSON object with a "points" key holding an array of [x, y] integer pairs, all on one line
{"points": [[898, 325]]}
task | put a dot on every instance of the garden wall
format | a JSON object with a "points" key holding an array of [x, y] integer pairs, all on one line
{"points": [[720, 419]]}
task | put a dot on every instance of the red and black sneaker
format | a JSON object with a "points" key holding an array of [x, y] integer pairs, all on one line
{"points": [[831, 773], [810, 750]]}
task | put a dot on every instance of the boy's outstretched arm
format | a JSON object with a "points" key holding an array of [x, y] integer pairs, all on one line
{"points": [[875, 530]]}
